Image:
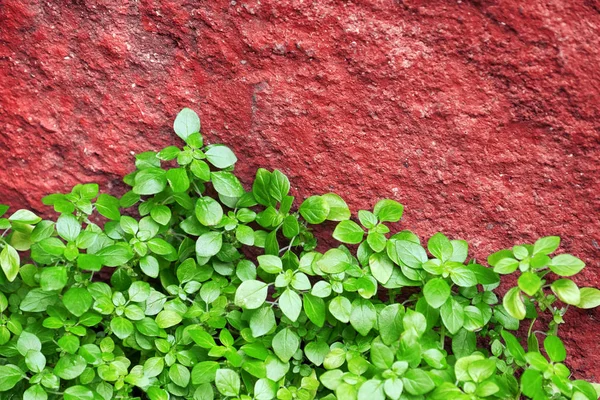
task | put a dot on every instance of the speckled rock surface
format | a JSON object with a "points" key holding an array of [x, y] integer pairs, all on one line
{"points": [[481, 117]]}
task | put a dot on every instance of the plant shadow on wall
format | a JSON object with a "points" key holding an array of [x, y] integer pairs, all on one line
{"points": [[218, 292]]}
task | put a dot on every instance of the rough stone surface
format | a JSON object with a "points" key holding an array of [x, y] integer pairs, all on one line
{"points": [[482, 117]]}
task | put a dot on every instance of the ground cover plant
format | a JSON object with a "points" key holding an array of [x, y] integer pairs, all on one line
{"points": [[220, 291]]}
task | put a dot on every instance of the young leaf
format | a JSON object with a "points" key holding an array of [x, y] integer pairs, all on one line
{"points": [[186, 123], [348, 232], [227, 184], [291, 304], [514, 304], [436, 292], [251, 294], [388, 210], [220, 156], [567, 291], [285, 344], [566, 265], [314, 210], [9, 261], [227, 382]]}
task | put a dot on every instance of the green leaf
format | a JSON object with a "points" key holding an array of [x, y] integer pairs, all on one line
{"points": [[291, 227], [204, 372], [371, 390], [68, 227], [567, 291], [363, 316], [341, 308], [227, 382], [381, 267], [10, 375], [440, 247], [279, 186], [35, 392], [436, 292], [514, 304], [53, 278], [291, 304], [78, 393], [208, 211], [108, 206], [314, 210], [555, 348], [388, 210], [28, 341], [24, 217], [77, 300], [115, 255], [566, 265], [531, 384], [37, 300], [179, 375], [10, 262], [390, 323], [209, 244], [149, 266], [220, 156], [513, 345], [178, 179], [150, 181], [481, 370], [410, 253], [270, 264], [590, 297], [121, 327], [265, 389], [262, 321], [463, 276], [453, 315], [316, 352], [506, 265], [186, 123], [417, 382], [314, 307], [333, 261], [285, 344], [251, 294], [227, 184], [530, 283], [338, 209], [35, 361], [348, 232], [546, 245], [69, 366], [260, 187]]}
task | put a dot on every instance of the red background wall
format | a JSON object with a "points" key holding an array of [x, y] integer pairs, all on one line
{"points": [[481, 117]]}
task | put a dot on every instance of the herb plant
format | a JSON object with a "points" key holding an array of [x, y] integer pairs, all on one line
{"points": [[218, 290]]}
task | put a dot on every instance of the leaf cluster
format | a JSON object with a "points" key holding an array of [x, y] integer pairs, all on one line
{"points": [[217, 291]]}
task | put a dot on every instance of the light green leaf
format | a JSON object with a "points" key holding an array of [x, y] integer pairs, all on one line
{"points": [[417, 382], [566, 265], [513, 303], [227, 184], [363, 316], [314, 209], [436, 292], [567, 291], [270, 264], [178, 179], [440, 247], [68, 227], [186, 123], [348, 232], [453, 315], [291, 304], [220, 156], [546, 245], [70, 366], [77, 300], [381, 267], [555, 348], [529, 283], [10, 262], [590, 297], [285, 344], [24, 217], [333, 261], [314, 307], [388, 210], [251, 294], [338, 209], [10, 375], [341, 308], [227, 382], [209, 244]]}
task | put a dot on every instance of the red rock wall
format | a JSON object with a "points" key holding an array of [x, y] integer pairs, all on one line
{"points": [[481, 117]]}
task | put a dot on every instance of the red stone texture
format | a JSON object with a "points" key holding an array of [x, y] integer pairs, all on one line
{"points": [[481, 117]]}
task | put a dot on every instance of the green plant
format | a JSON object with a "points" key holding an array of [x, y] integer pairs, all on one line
{"points": [[219, 292]]}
